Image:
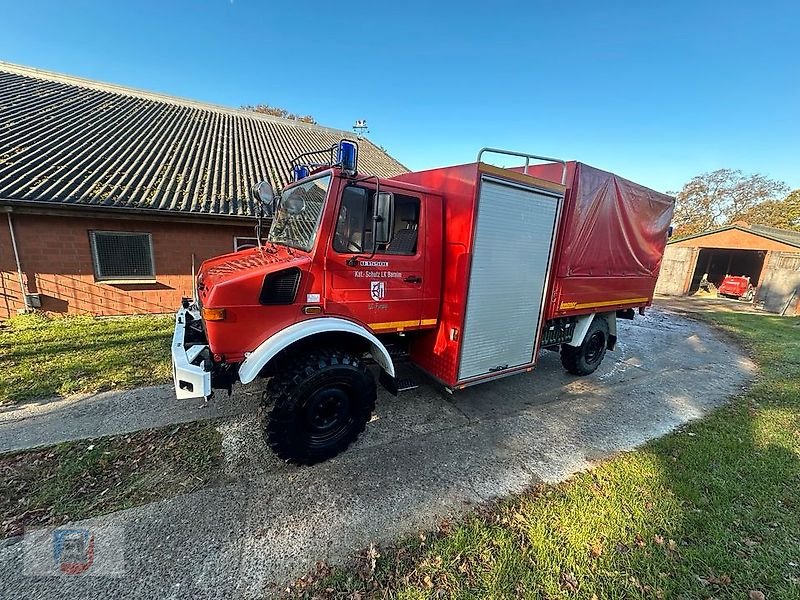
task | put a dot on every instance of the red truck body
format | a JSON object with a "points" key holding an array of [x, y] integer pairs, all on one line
{"points": [[609, 241]]}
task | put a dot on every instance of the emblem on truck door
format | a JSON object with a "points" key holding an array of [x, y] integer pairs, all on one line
{"points": [[377, 290]]}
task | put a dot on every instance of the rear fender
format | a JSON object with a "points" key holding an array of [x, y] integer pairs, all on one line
{"points": [[269, 349], [585, 321]]}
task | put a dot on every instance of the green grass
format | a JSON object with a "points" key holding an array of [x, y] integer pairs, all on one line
{"points": [[76, 480], [710, 511], [41, 356]]}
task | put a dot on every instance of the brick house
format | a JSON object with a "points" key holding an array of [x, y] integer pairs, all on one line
{"points": [[112, 194]]}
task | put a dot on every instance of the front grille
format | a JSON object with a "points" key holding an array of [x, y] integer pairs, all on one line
{"points": [[280, 287]]}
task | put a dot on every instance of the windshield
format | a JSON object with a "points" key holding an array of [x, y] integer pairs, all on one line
{"points": [[297, 216]]}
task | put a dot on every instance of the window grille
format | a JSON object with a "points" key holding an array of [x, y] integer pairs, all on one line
{"points": [[122, 255]]}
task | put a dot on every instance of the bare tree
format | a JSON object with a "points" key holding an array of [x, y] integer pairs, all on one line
{"points": [[721, 197], [275, 111]]}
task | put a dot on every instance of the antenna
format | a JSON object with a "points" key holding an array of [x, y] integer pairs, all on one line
{"points": [[360, 127]]}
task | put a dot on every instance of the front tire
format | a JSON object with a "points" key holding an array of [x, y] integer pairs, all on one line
{"points": [[322, 402], [584, 359]]}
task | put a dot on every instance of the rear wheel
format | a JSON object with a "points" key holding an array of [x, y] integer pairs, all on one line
{"points": [[322, 402], [749, 295], [585, 359]]}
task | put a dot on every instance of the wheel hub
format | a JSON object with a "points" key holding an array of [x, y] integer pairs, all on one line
{"points": [[327, 409], [594, 347]]}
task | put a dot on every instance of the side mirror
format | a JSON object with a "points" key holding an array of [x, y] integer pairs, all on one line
{"points": [[384, 217], [263, 193]]}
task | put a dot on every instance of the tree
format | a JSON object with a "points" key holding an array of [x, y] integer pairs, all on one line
{"points": [[777, 213], [266, 109], [721, 197]]}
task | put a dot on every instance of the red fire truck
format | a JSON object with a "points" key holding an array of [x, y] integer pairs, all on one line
{"points": [[463, 273]]}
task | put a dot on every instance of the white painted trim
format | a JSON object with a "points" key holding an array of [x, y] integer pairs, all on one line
{"points": [[183, 371], [260, 357]]}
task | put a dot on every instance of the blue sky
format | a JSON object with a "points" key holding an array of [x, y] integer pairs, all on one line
{"points": [[655, 91]]}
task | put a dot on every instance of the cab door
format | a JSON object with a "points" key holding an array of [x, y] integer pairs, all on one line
{"points": [[381, 290]]}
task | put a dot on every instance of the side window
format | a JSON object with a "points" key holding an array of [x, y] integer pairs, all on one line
{"points": [[123, 256], [354, 224], [406, 226], [353, 228]]}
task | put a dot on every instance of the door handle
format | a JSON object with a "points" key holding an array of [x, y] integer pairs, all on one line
{"points": [[413, 279]]}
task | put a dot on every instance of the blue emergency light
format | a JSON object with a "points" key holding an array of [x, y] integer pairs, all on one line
{"points": [[347, 156], [299, 172]]}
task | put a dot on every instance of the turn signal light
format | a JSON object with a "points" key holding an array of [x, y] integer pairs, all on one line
{"points": [[312, 310], [213, 314]]}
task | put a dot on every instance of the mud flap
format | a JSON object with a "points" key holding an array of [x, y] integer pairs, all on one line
{"points": [[388, 382]]}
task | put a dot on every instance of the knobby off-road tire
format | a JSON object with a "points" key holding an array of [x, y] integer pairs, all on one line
{"points": [[585, 359], [322, 402]]}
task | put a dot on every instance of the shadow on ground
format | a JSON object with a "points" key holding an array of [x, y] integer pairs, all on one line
{"points": [[424, 456]]}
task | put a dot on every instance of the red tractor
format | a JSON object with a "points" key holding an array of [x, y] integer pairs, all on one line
{"points": [[463, 273], [737, 286]]}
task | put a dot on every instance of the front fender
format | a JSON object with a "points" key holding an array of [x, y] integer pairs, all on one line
{"points": [[260, 357]]}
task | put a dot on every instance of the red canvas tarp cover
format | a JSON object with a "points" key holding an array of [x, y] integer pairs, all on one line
{"points": [[612, 237]]}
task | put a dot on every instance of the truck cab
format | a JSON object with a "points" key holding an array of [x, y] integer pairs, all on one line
{"points": [[349, 262]]}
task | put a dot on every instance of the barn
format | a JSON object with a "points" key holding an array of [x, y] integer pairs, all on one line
{"points": [[111, 194], [769, 256]]}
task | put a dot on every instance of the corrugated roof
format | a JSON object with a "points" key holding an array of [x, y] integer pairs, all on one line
{"points": [[776, 234], [783, 235], [71, 141]]}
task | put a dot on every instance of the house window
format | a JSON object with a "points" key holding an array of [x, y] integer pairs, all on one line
{"points": [[354, 224], [244, 243], [120, 255]]}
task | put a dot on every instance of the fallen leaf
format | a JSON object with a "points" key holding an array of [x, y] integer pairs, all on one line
{"points": [[568, 582], [595, 549], [658, 540], [755, 595]]}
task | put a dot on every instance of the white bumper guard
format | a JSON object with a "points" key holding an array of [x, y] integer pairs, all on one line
{"points": [[191, 380]]}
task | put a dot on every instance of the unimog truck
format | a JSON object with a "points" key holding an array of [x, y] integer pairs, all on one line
{"points": [[464, 273]]}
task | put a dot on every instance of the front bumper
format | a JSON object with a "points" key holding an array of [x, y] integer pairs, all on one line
{"points": [[192, 379]]}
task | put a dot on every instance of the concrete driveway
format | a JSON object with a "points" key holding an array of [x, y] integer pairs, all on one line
{"points": [[424, 456]]}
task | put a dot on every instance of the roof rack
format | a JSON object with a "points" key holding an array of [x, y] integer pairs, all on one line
{"points": [[528, 158]]}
